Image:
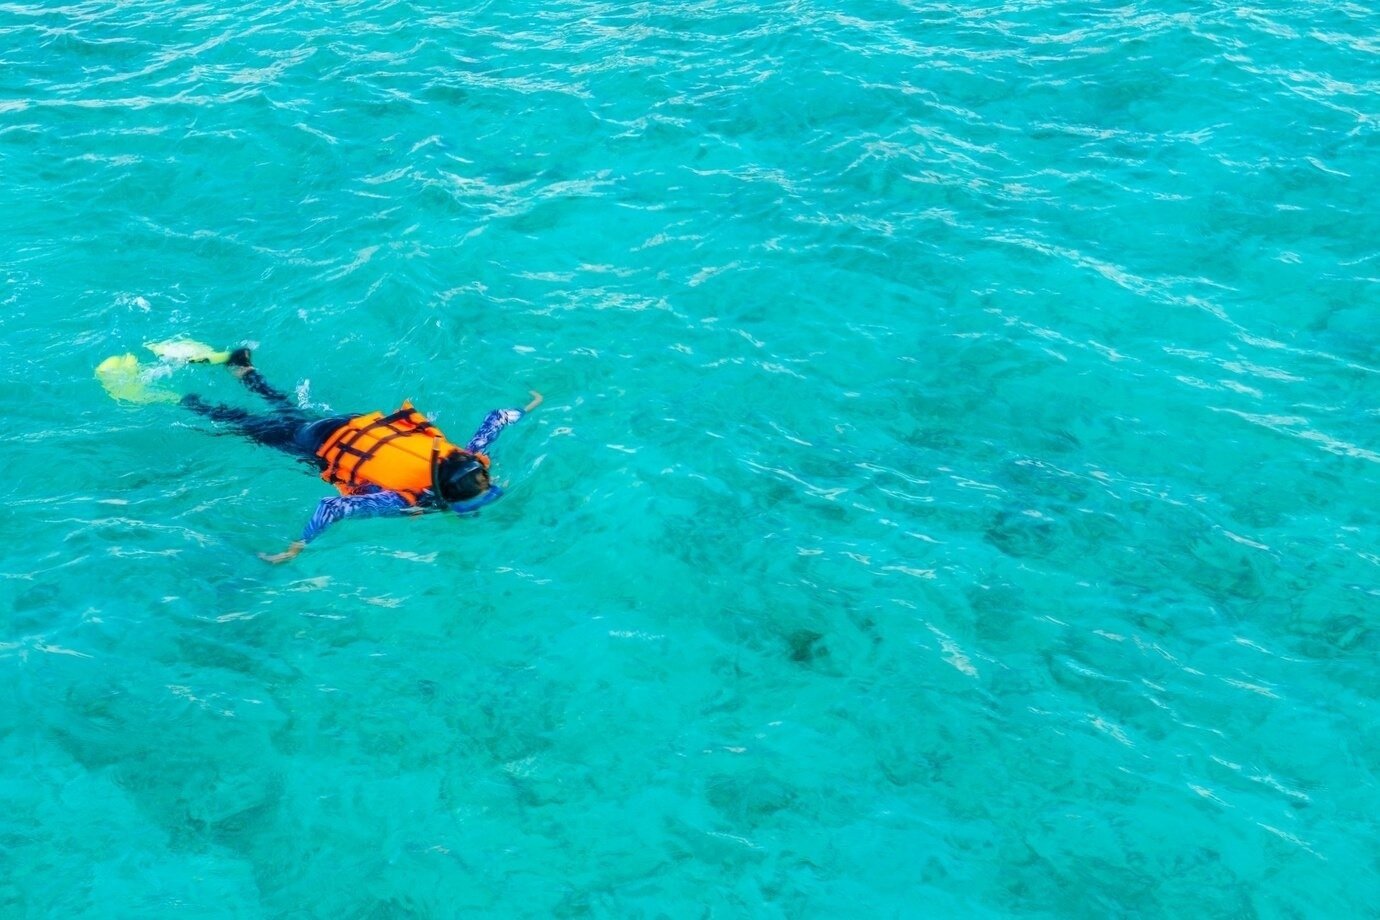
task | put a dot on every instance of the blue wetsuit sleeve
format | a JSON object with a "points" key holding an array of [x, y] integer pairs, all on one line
{"points": [[489, 429], [339, 507]]}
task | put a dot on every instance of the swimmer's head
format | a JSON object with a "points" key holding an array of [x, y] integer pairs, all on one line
{"points": [[463, 476]]}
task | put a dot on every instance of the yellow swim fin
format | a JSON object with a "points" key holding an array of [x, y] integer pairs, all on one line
{"points": [[188, 351], [123, 379]]}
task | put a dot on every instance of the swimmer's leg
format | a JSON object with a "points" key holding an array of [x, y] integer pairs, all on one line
{"points": [[276, 429], [241, 365]]}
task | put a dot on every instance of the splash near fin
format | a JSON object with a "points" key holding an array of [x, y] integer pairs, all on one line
{"points": [[123, 379], [188, 351]]}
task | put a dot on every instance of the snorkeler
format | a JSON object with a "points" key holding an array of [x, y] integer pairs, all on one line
{"points": [[382, 464]]}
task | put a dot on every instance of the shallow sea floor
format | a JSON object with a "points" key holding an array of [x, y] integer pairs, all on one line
{"points": [[955, 494]]}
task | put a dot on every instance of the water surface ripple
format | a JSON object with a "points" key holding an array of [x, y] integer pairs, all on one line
{"points": [[954, 495]]}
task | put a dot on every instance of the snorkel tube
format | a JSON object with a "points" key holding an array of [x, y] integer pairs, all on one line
{"points": [[436, 492]]}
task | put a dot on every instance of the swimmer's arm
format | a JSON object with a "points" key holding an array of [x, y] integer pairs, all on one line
{"points": [[337, 508], [496, 421], [295, 547]]}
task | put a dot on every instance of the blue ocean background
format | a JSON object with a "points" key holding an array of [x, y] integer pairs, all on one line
{"points": [[955, 494]]}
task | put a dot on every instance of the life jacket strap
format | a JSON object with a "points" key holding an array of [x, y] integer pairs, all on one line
{"points": [[375, 431]]}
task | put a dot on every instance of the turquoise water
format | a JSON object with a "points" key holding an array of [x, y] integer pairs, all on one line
{"points": [[954, 496]]}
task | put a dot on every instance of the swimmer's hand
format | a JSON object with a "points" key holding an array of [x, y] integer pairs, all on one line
{"points": [[536, 401], [290, 553]]}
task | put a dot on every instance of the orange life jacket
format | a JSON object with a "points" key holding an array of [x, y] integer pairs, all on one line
{"points": [[389, 451]]}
